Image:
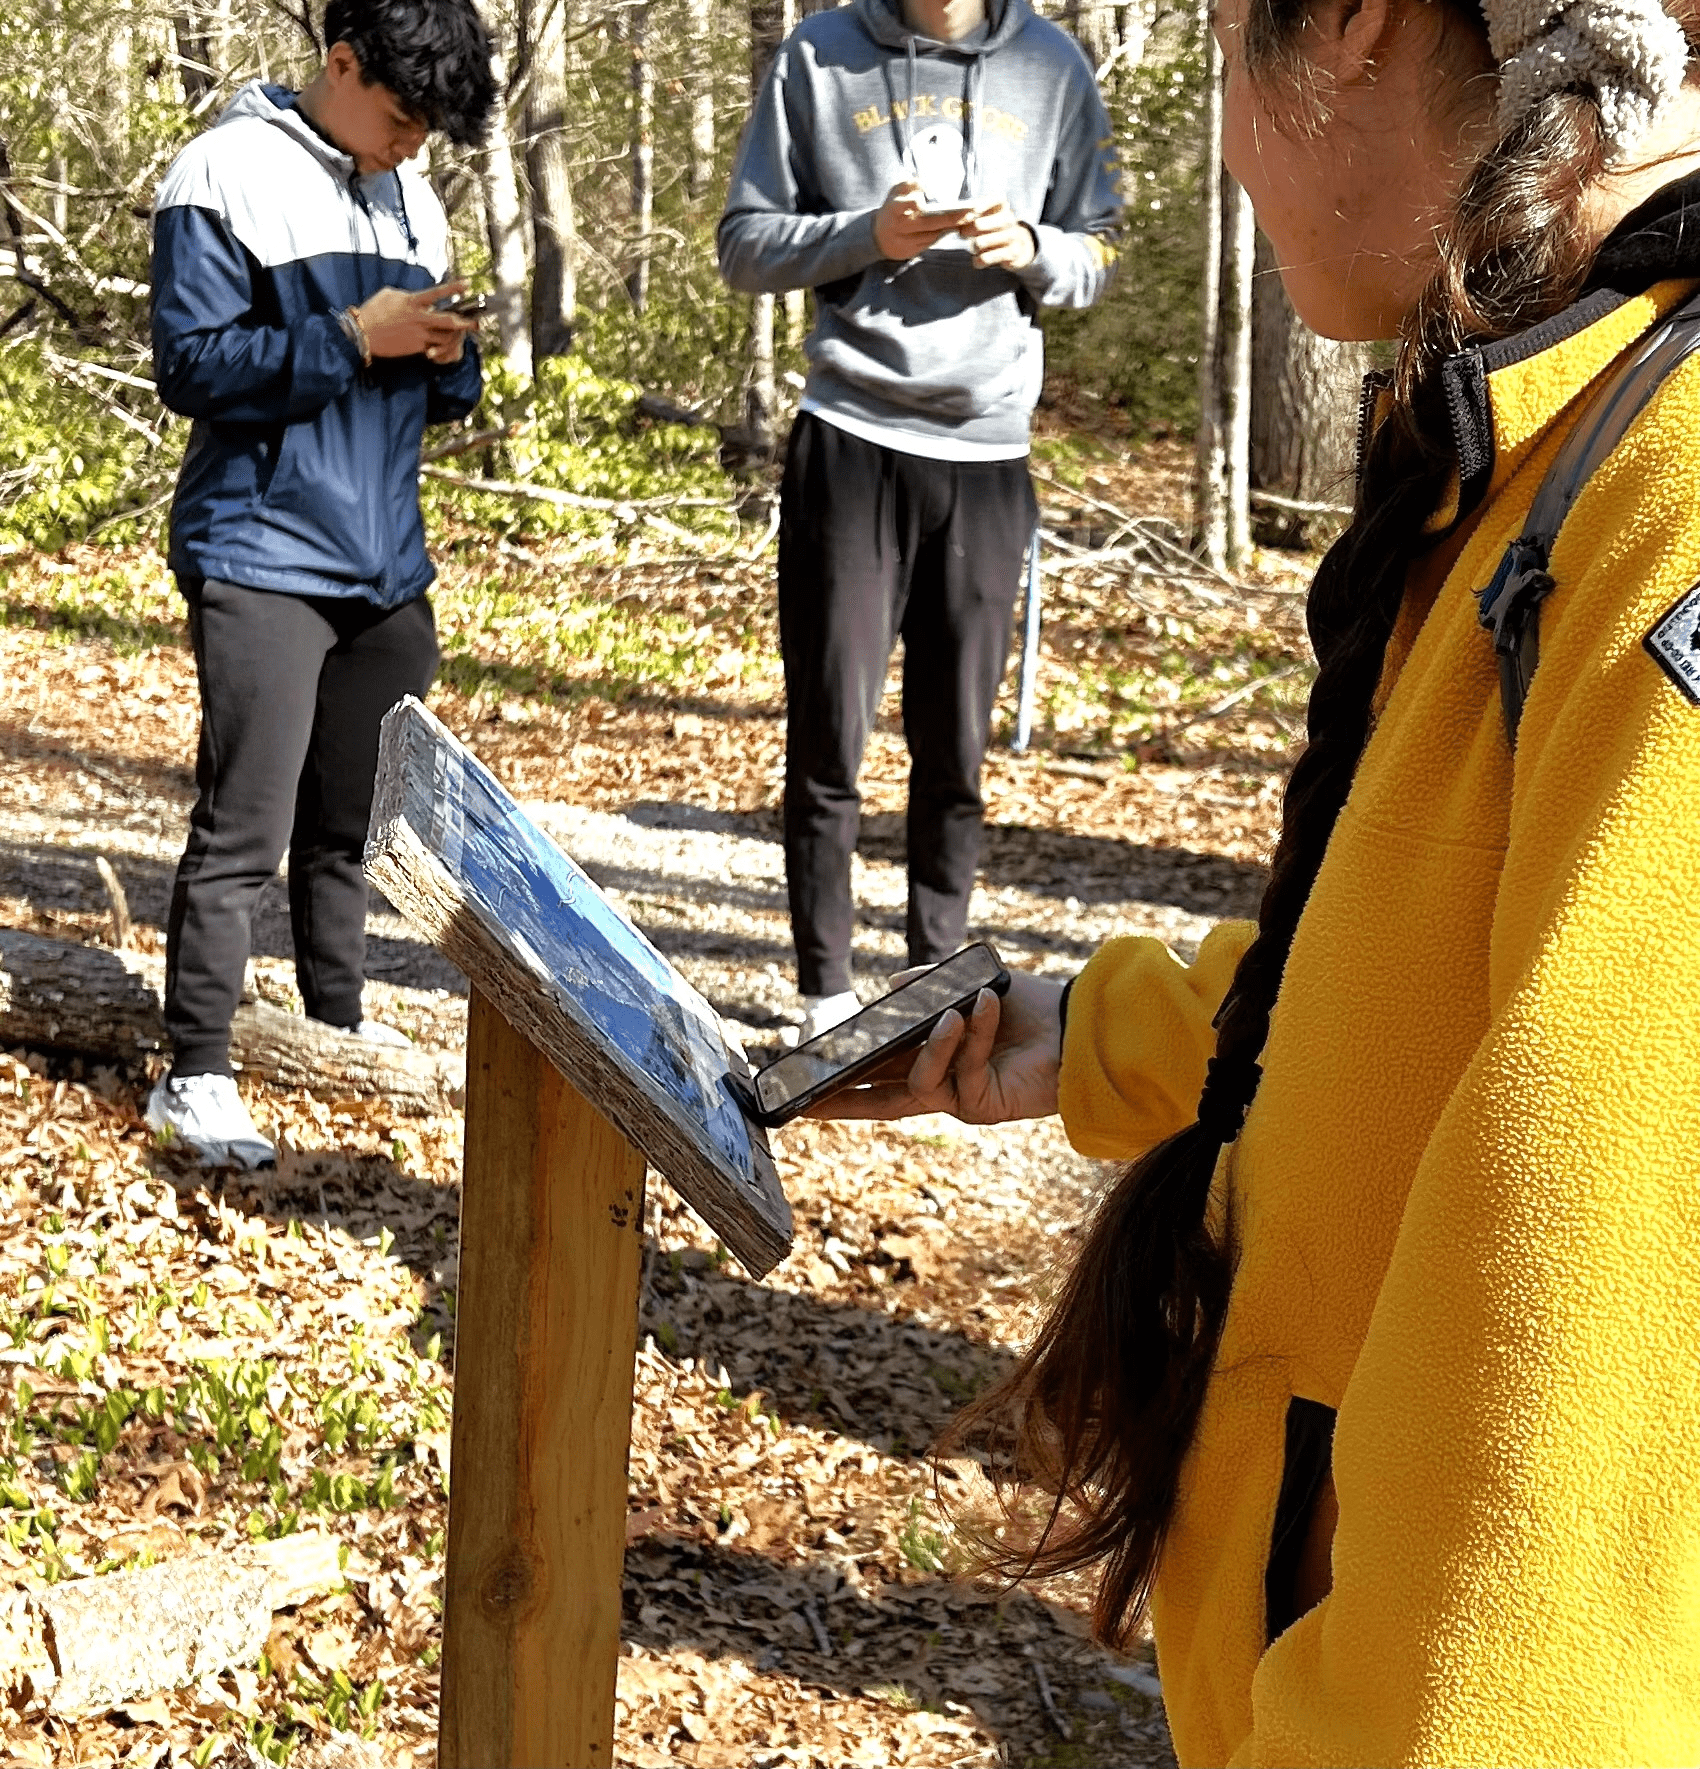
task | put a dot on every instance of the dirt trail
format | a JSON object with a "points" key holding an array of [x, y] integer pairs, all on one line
{"points": [[789, 1592]]}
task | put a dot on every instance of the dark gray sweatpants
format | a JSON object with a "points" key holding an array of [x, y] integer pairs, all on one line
{"points": [[293, 690], [874, 544]]}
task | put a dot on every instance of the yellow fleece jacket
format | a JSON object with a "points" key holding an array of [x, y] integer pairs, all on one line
{"points": [[1467, 1199]]}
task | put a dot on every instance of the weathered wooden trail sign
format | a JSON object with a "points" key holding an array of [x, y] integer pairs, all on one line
{"points": [[588, 1057]]}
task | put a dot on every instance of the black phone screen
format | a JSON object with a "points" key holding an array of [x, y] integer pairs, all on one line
{"points": [[896, 1021]]}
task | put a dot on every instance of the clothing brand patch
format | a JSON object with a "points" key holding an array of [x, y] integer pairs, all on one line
{"points": [[1674, 645]]}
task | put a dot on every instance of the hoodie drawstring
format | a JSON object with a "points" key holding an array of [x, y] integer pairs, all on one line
{"points": [[973, 79], [406, 223]]}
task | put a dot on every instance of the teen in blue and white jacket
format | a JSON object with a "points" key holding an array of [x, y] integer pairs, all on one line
{"points": [[302, 471], [298, 265]]}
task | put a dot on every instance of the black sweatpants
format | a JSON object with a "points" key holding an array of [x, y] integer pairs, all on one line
{"points": [[293, 689], [874, 543]]}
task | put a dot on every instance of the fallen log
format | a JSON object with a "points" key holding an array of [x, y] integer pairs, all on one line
{"points": [[85, 1645], [56, 995]]}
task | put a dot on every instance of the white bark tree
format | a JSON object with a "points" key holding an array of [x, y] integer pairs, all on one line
{"points": [[770, 20], [543, 36], [1221, 483], [699, 21], [504, 227]]}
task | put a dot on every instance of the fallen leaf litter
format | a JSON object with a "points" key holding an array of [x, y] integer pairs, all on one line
{"points": [[188, 1361]]}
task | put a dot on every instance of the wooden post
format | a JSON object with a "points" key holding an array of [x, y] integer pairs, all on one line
{"points": [[545, 1334], [570, 1005]]}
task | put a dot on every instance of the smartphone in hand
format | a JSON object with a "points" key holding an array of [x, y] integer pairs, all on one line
{"points": [[468, 306], [887, 1028]]}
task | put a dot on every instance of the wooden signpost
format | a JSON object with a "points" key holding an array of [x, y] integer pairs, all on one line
{"points": [[588, 1058]]}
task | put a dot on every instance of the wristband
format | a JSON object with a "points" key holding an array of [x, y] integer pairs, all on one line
{"points": [[1062, 1006], [356, 332]]}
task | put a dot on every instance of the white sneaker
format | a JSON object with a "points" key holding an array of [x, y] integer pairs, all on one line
{"points": [[822, 1012], [206, 1113]]}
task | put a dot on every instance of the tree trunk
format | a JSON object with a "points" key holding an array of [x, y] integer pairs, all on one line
{"points": [[58, 996], [194, 56], [1210, 464], [504, 226], [770, 20], [58, 203], [1093, 23], [1222, 516], [1239, 241], [1303, 412], [1133, 29], [543, 29], [699, 18], [642, 157]]}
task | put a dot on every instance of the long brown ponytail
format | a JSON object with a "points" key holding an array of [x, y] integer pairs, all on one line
{"points": [[1102, 1408]]}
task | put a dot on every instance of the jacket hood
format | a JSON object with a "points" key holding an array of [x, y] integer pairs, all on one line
{"points": [[883, 21], [1657, 243], [276, 105], [1659, 239]]}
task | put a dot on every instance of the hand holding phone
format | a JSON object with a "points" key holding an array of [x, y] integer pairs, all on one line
{"points": [[1000, 1062], [408, 322], [887, 1028], [468, 306], [999, 238], [904, 227]]}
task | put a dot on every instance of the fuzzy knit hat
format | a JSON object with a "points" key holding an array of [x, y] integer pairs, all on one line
{"points": [[1631, 53]]}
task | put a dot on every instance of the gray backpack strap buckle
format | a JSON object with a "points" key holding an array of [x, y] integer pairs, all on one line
{"points": [[1510, 606]]}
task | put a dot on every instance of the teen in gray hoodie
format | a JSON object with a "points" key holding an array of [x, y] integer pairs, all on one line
{"points": [[936, 171]]}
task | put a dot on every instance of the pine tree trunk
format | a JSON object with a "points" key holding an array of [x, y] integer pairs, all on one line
{"points": [[1303, 412], [504, 226], [543, 28], [770, 20], [642, 157], [699, 17]]}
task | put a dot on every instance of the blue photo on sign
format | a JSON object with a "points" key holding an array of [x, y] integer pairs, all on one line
{"points": [[537, 938], [573, 939]]}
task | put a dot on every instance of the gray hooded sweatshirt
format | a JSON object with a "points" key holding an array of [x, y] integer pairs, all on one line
{"points": [[933, 350]]}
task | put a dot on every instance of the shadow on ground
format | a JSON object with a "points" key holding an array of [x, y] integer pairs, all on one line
{"points": [[879, 1378], [920, 1645], [1047, 862]]}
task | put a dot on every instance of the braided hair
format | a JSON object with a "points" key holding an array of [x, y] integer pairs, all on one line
{"points": [[1102, 1408]]}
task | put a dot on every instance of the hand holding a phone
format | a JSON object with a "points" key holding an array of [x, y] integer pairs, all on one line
{"points": [[998, 1065], [999, 239], [407, 322], [904, 225]]}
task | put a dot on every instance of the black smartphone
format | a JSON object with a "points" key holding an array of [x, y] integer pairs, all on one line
{"points": [[896, 1023], [465, 306]]}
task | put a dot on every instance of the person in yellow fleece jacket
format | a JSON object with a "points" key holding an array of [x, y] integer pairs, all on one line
{"points": [[1378, 1375]]}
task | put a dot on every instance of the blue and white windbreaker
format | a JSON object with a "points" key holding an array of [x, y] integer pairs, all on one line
{"points": [[302, 469]]}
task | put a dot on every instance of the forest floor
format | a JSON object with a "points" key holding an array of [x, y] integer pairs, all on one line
{"points": [[199, 1359]]}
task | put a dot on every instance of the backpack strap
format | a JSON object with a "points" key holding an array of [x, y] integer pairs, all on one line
{"points": [[1510, 607]]}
